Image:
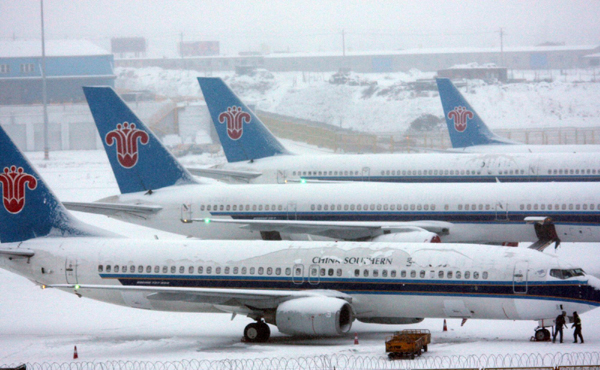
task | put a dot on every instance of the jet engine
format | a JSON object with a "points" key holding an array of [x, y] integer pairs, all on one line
{"points": [[320, 316], [416, 236]]}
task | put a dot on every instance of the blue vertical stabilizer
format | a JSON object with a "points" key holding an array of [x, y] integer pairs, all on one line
{"points": [[243, 136], [139, 160], [465, 126], [29, 208]]}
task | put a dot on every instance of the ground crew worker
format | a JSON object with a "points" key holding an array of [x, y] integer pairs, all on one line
{"points": [[559, 323], [577, 326]]}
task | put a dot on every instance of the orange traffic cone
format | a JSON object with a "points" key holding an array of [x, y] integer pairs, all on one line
{"points": [[75, 355], [445, 327], [355, 338]]}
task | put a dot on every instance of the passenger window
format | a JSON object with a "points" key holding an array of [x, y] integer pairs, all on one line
{"points": [[375, 273], [475, 275], [252, 270], [132, 269], [181, 269], [357, 272], [190, 269], [288, 271], [314, 272], [323, 272], [467, 274], [413, 274], [484, 275], [209, 270], [226, 271], [140, 269], [449, 275], [261, 270], [393, 273], [403, 273], [117, 268], [200, 270], [338, 272], [217, 270], [441, 274], [384, 273], [148, 269], [278, 271], [330, 272], [244, 270], [422, 274], [269, 270], [100, 268], [458, 274], [236, 270], [366, 273]]}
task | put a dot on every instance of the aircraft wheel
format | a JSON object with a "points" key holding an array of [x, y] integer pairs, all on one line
{"points": [[542, 335], [257, 332]]}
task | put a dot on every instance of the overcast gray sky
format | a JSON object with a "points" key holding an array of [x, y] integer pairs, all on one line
{"points": [[308, 25]]}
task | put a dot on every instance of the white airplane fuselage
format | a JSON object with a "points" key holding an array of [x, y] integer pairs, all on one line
{"points": [[382, 281], [486, 213], [426, 167]]}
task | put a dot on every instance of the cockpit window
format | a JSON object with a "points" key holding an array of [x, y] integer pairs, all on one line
{"points": [[566, 273]]}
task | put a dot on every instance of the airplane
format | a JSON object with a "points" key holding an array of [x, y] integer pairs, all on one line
{"points": [[302, 288], [172, 200], [468, 132], [256, 156]]}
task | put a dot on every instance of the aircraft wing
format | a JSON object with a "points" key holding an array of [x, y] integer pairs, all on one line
{"points": [[261, 299], [335, 229], [110, 209], [17, 253], [224, 175]]}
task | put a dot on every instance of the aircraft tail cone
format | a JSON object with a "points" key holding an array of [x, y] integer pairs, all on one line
{"points": [[75, 355], [445, 326], [355, 338]]}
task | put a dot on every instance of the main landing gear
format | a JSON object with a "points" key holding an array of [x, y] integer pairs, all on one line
{"points": [[257, 332], [541, 335]]}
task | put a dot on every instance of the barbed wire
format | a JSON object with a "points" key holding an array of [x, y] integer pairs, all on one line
{"points": [[340, 362]]}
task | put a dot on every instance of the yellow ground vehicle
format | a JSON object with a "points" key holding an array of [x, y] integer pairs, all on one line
{"points": [[407, 343]]}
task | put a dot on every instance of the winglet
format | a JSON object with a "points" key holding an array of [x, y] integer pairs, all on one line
{"points": [[243, 136], [139, 160], [29, 208], [465, 126]]}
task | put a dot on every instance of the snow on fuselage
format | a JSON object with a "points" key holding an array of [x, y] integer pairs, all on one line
{"points": [[492, 213], [384, 280]]}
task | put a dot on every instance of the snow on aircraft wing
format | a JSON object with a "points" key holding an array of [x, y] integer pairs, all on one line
{"points": [[109, 209], [334, 229], [219, 174], [219, 296]]}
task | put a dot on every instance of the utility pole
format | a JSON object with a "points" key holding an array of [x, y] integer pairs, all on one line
{"points": [[44, 97]]}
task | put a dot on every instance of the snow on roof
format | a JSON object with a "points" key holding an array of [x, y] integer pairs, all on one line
{"points": [[532, 49], [597, 55], [54, 48]]}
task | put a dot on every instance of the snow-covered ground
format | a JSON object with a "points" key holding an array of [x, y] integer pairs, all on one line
{"points": [[571, 100], [44, 325]]}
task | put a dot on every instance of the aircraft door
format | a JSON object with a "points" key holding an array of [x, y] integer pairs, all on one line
{"points": [[281, 176], [298, 274], [366, 173], [291, 211], [501, 211], [186, 211], [71, 270], [520, 276], [313, 275]]}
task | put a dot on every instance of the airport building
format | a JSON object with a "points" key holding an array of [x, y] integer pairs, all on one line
{"points": [[70, 64], [516, 58]]}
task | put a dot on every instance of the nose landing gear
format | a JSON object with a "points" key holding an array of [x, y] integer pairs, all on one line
{"points": [[257, 332]]}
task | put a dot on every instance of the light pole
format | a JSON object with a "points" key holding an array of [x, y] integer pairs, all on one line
{"points": [[46, 148]]}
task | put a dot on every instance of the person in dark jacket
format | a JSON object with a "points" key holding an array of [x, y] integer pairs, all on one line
{"points": [[559, 323], [577, 326]]}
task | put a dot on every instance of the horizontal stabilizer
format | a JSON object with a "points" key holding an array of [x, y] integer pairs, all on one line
{"points": [[224, 175], [17, 253], [109, 209]]}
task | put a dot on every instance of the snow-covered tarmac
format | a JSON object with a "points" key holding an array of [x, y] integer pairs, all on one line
{"points": [[44, 325]]}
